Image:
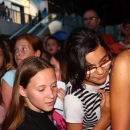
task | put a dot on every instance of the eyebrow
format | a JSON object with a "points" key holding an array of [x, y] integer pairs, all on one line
{"points": [[45, 85], [22, 45], [54, 82], [100, 60]]}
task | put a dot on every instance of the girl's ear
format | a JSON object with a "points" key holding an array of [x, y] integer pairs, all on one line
{"points": [[22, 91], [38, 53]]}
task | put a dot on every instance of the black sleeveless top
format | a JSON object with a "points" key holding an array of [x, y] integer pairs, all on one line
{"points": [[36, 121]]}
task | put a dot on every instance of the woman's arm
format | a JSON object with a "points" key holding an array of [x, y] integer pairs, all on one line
{"points": [[74, 126], [6, 93], [120, 92]]}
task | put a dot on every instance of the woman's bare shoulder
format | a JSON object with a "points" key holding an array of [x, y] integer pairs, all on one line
{"points": [[123, 57]]}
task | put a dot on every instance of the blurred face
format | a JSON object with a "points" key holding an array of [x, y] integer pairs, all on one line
{"points": [[7, 46], [41, 92], [56, 66], [91, 20], [52, 46], [95, 59], [44, 42], [23, 49], [127, 30], [1, 57]]}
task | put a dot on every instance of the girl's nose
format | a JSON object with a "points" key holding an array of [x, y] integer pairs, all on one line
{"points": [[50, 93], [99, 70]]}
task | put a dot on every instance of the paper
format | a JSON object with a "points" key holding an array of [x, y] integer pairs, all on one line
{"points": [[59, 104]]}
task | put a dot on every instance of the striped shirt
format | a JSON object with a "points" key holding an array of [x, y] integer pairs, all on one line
{"points": [[84, 106]]}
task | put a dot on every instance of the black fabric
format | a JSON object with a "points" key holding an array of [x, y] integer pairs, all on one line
{"points": [[36, 121]]}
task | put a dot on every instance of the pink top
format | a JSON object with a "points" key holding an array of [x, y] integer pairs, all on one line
{"points": [[58, 120]]}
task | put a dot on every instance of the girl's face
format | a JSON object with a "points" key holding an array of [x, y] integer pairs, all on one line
{"points": [[1, 57], [23, 49], [52, 46], [56, 66], [95, 59], [41, 92]]}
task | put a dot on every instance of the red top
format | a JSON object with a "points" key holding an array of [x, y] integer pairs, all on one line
{"points": [[108, 39], [116, 48]]}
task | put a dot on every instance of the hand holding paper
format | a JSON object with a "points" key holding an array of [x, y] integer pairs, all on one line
{"points": [[59, 104]]}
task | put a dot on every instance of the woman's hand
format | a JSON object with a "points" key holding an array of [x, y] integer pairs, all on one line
{"points": [[61, 94], [105, 105], [104, 121]]}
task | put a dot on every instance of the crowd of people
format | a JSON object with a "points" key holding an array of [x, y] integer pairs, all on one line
{"points": [[4, 11], [96, 78]]}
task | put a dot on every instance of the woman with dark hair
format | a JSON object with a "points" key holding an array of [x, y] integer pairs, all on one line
{"points": [[25, 46], [120, 91], [59, 62], [34, 94], [89, 60]]}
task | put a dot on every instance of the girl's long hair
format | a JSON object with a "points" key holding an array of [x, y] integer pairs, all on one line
{"points": [[6, 60], [3, 68], [25, 71]]}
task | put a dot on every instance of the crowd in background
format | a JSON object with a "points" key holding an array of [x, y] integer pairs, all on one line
{"points": [[4, 12], [94, 69]]}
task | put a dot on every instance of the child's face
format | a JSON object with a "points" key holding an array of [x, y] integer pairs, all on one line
{"points": [[95, 59], [52, 46], [1, 57], [41, 92], [56, 66], [23, 49]]}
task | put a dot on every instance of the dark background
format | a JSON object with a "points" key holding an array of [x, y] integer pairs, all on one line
{"points": [[110, 11]]}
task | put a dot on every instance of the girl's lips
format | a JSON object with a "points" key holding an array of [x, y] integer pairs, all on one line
{"points": [[100, 78], [50, 103], [18, 59], [51, 50]]}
